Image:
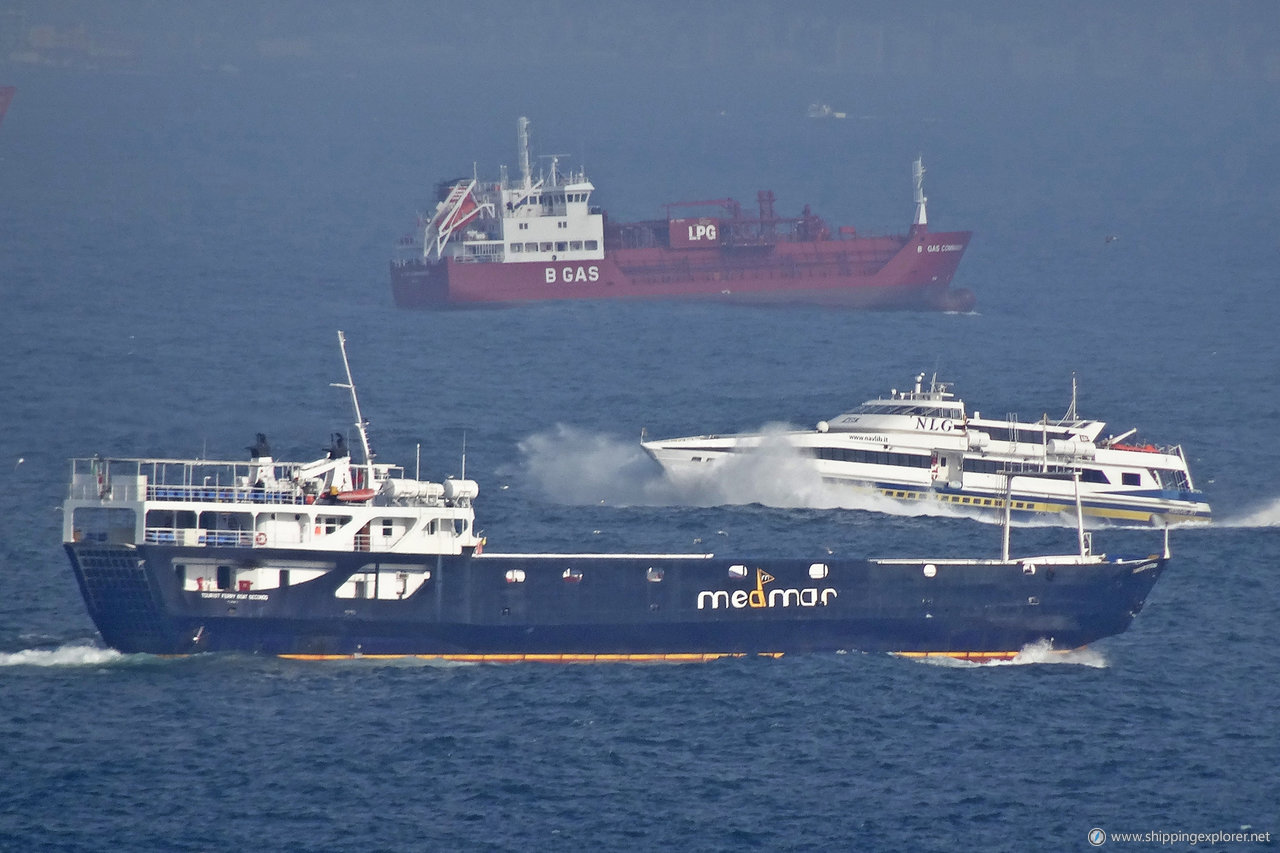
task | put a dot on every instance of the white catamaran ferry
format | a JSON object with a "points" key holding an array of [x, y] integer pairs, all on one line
{"points": [[922, 445]]}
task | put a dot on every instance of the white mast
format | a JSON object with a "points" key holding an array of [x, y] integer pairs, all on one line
{"points": [[1008, 515], [917, 174], [526, 174], [1071, 415], [1084, 544], [355, 403]]}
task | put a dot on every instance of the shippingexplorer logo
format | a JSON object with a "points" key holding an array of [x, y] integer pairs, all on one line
{"points": [[757, 598], [1098, 837]]}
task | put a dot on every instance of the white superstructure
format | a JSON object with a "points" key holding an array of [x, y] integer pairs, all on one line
{"points": [[528, 220], [922, 444], [282, 521]]}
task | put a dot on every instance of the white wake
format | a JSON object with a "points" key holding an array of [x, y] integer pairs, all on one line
{"points": [[72, 655], [575, 467]]}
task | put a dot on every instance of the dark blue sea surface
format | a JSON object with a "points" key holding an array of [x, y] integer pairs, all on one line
{"points": [[177, 252]]}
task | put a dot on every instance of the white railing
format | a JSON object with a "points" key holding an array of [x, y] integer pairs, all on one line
{"points": [[196, 536]]}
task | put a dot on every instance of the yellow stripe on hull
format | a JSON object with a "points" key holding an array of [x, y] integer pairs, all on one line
{"points": [[543, 658], [1042, 507]]}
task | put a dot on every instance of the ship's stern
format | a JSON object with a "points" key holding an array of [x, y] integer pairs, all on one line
{"points": [[419, 284], [123, 601]]}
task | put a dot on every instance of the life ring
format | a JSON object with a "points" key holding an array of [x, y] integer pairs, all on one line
{"points": [[260, 538]]}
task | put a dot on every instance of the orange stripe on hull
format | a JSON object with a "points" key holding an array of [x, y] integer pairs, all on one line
{"points": [[971, 656], [545, 658]]}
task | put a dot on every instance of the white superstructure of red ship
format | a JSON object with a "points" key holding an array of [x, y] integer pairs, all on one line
{"points": [[541, 238]]}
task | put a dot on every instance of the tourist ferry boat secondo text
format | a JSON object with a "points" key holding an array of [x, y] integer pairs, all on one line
{"points": [[922, 445], [340, 558]]}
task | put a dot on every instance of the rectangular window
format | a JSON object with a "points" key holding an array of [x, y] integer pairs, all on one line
{"points": [[515, 248], [561, 246], [591, 245], [1130, 479], [575, 245], [545, 247]]}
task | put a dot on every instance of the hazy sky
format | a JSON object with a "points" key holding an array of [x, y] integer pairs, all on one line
{"points": [[485, 41]]}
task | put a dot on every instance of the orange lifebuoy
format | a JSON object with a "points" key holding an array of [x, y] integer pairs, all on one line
{"points": [[260, 538]]}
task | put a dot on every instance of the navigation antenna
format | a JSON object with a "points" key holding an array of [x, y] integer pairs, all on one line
{"points": [[361, 423], [522, 127], [917, 176], [1071, 416]]}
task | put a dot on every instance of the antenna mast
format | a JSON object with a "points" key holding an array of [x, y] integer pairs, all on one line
{"points": [[350, 385], [526, 175], [917, 174]]}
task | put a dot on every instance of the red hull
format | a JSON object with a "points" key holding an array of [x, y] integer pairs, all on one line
{"points": [[912, 272]]}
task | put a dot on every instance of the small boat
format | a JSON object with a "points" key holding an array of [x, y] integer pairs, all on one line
{"points": [[923, 445], [183, 556], [823, 111]]}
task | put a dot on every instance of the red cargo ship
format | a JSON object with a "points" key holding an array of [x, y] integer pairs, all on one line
{"points": [[538, 239]]}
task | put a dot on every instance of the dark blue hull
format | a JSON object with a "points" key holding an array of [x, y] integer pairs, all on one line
{"points": [[512, 606]]}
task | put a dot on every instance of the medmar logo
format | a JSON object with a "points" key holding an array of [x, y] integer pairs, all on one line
{"points": [[740, 598]]}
